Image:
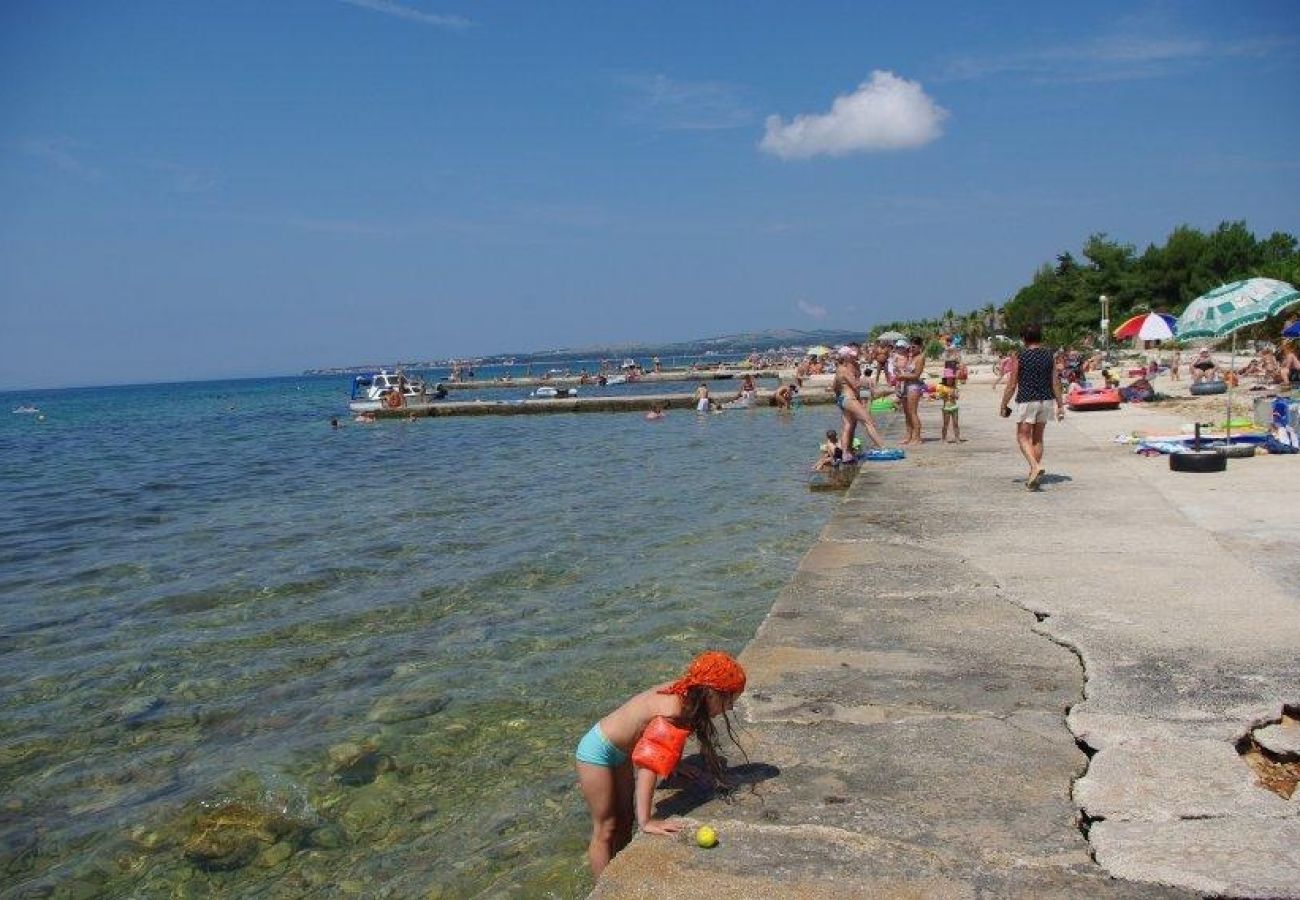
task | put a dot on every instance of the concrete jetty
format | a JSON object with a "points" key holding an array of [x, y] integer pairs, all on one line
{"points": [[665, 377], [973, 690], [611, 404]]}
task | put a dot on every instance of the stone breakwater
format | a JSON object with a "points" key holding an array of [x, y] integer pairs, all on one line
{"points": [[969, 689]]}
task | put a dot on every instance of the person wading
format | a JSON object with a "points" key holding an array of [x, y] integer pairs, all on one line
{"points": [[1033, 383]]}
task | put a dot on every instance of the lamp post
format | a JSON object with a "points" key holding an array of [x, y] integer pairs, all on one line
{"points": [[993, 322], [1105, 326]]}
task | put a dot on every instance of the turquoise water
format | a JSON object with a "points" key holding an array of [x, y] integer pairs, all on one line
{"points": [[249, 655]]}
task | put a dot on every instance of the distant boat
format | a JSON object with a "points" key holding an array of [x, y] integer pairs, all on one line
{"points": [[555, 392], [392, 391], [27, 409]]}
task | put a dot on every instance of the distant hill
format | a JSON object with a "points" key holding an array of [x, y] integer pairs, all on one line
{"points": [[730, 343], [722, 345]]}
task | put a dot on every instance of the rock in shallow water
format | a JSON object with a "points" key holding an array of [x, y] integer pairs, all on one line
{"points": [[404, 708], [327, 837], [341, 754], [135, 711], [275, 854], [363, 768], [231, 835]]}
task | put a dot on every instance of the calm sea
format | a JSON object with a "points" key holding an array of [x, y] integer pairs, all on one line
{"points": [[249, 655]]}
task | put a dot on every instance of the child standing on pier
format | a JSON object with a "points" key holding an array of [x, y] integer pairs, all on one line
{"points": [[948, 396], [624, 754]]}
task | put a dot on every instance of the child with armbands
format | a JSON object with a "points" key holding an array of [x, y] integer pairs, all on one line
{"points": [[624, 754]]}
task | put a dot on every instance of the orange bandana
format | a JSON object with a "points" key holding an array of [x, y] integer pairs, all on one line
{"points": [[713, 669]]}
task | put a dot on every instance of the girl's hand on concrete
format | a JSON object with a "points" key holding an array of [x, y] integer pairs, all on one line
{"points": [[660, 826]]}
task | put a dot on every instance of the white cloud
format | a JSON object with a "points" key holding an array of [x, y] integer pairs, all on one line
{"points": [[1117, 57], [57, 152], [885, 113], [397, 10], [185, 179], [811, 309], [664, 104]]}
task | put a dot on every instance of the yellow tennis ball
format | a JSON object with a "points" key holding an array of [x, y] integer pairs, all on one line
{"points": [[706, 837]]}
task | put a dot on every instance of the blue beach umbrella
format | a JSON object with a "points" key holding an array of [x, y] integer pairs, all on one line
{"points": [[1229, 308], [1292, 330]]}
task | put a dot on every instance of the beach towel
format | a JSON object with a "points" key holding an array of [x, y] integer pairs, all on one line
{"points": [[1146, 448], [1283, 439]]}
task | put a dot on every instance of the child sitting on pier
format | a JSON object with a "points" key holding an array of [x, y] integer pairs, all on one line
{"points": [[649, 732], [831, 454]]}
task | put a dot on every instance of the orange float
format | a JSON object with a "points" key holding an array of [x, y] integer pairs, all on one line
{"points": [[394, 400], [1093, 398], [660, 747]]}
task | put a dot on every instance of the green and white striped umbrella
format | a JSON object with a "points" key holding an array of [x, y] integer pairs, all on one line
{"points": [[1230, 307]]}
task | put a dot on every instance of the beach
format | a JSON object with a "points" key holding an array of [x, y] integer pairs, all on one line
{"points": [[375, 679], [970, 689]]}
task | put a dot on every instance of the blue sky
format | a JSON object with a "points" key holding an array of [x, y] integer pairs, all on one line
{"points": [[207, 189]]}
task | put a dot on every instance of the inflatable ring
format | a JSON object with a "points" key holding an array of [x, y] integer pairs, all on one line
{"points": [[1236, 451], [1208, 387], [393, 400], [1198, 461]]}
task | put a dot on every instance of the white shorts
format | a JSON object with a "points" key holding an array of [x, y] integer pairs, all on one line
{"points": [[1035, 411], [702, 405]]}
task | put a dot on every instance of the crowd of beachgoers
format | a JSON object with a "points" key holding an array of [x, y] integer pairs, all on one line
{"points": [[884, 375]]}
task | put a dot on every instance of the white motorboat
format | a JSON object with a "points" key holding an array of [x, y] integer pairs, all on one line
{"points": [[392, 391], [544, 392], [27, 410]]}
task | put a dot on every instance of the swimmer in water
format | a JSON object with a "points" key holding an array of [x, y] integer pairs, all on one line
{"points": [[702, 403]]}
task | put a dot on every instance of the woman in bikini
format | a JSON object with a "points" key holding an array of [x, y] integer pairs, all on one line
{"points": [[911, 380], [846, 387]]}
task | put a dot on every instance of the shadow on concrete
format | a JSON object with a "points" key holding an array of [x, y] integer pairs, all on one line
{"points": [[691, 795]]}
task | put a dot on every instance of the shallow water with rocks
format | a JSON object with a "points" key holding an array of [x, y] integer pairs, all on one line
{"points": [[248, 655]]}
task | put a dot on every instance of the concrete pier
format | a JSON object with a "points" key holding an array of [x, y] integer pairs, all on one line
{"points": [[541, 406], [973, 690], [667, 377]]}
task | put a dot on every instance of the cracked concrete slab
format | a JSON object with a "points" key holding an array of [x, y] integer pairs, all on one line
{"points": [[923, 692]]}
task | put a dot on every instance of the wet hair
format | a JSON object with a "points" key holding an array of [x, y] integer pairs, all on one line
{"points": [[831, 434], [695, 710], [917, 341], [1031, 334]]}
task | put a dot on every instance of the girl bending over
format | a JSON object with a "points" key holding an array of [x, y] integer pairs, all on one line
{"points": [[624, 754]]}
